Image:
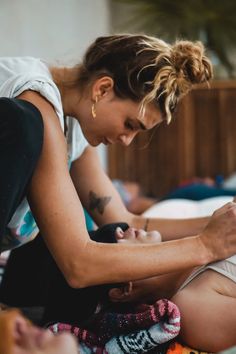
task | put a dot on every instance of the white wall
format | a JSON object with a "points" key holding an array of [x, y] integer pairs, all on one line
{"points": [[55, 30]]}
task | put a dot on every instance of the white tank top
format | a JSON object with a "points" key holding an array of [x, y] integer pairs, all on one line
{"points": [[18, 74]]}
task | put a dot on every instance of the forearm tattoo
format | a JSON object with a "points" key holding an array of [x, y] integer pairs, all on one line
{"points": [[98, 203]]}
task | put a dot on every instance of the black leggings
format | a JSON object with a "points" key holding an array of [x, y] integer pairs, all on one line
{"points": [[32, 279], [21, 138]]}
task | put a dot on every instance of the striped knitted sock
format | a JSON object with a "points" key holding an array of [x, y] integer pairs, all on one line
{"points": [[141, 332], [145, 340], [110, 324]]}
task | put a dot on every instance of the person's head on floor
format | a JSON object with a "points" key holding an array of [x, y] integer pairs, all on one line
{"points": [[122, 296], [19, 336]]}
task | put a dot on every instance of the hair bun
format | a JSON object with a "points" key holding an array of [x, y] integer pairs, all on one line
{"points": [[190, 62]]}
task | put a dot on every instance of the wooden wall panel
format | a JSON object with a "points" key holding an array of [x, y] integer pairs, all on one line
{"points": [[201, 141]]}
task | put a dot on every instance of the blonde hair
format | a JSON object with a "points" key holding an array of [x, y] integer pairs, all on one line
{"points": [[147, 69]]}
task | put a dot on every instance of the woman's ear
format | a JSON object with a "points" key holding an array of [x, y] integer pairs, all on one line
{"points": [[102, 87], [122, 293]]}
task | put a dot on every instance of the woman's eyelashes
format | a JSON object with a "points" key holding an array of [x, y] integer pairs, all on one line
{"points": [[130, 126]]}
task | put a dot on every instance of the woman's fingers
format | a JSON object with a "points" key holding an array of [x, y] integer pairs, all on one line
{"points": [[219, 236], [225, 207]]}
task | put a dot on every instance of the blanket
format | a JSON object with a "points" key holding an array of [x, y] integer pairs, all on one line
{"points": [[148, 327], [177, 348]]}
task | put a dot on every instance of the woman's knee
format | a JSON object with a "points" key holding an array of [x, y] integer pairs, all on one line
{"points": [[21, 127]]}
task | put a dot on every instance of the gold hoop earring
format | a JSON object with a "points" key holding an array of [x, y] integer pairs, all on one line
{"points": [[93, 108]]}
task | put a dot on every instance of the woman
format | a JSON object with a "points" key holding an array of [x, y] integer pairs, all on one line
{"points": [[126, 84], [19, 336]]}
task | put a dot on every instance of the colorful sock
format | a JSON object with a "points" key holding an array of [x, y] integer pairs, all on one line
{"points": [[82, 335], [112, 324], [144, 340], [139, 332]]}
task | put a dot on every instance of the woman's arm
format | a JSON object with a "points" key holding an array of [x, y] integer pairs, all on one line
{"points": [[172, 229], [103, 202], [96, 190], [59, 215]]}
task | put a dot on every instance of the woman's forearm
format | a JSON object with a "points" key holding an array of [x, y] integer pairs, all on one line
{"points": [[100, 263], [171, 229], [106, 263]]}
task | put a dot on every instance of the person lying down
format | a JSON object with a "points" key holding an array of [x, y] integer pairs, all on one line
{"points": [[19, 336], [205, 296]]}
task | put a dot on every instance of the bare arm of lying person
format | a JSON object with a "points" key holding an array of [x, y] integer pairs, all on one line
{"points": [[206, 297]]}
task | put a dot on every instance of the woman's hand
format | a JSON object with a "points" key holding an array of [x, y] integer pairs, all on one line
{"points": [[219, 236], [133, 235]]}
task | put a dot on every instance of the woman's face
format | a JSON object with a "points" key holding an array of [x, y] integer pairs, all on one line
{"points": [[132, 235], [19, 336], [117, 120], [134, 291]]}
